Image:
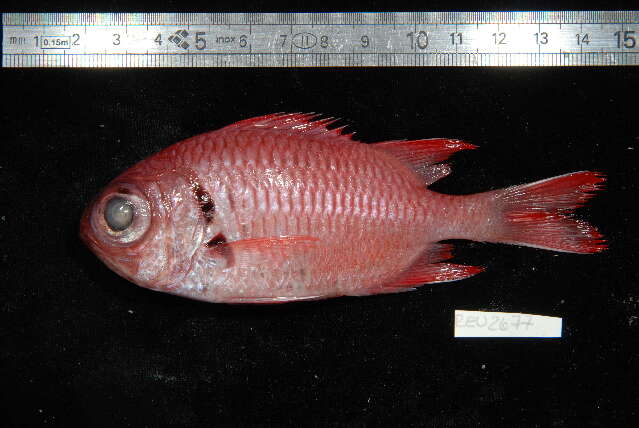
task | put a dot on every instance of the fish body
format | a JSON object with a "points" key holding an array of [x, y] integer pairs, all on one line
{"points": [[279, 208]]}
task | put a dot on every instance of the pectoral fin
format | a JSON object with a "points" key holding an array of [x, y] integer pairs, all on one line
{"points": [[255, 251]]}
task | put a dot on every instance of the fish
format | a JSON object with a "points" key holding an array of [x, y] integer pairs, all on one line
{"points": [[289, 207]]}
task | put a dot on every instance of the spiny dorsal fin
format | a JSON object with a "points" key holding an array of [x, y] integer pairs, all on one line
{"points": [[302, 123], [423, 156]]}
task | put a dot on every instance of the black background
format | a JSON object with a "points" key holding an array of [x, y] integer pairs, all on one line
{"points": [[81, 345]]}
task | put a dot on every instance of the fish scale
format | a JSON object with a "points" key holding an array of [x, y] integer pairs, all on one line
{"points": [[320, 181]]}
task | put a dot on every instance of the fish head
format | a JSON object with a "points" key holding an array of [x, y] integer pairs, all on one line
{"points": [[144, 226]]}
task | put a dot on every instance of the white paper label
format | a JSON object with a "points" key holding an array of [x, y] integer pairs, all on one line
{"points": [[505, 324]]}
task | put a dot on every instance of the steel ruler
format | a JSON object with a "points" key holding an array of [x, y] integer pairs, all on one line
{"points": [[369, 39]]}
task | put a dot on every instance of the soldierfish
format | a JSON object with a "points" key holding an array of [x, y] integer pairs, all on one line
{"points": [[281, 208]]}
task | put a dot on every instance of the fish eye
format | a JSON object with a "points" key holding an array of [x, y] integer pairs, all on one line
{"points": [[119, 213]]}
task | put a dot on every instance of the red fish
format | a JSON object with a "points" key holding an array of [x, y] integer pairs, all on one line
{"points": [[279, 208]]}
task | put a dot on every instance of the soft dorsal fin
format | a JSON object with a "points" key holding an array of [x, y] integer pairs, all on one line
{"points": [[423, 152], [302, 123], [423, 156]]}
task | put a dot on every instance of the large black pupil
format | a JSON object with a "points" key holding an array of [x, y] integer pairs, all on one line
{"points": [[119, 214]]}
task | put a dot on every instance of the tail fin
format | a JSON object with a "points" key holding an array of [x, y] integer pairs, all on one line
{"points": [[538, 214]]}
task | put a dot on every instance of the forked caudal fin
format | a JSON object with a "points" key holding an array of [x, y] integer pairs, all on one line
{"points": [[538, 214]]}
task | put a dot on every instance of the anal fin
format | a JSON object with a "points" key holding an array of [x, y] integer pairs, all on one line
{"points": [[427, 269], [433, 273]]}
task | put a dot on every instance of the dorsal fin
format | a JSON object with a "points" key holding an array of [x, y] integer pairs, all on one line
{"points": [[302, 123], [423, 156]]}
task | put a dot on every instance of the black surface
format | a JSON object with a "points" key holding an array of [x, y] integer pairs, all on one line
{"points": [[81, 345]]}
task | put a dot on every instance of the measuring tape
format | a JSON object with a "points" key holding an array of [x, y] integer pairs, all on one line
{"points": [[395, 39]]}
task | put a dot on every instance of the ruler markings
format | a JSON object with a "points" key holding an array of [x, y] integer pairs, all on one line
{"points": [[302, 18], [368, 39]]}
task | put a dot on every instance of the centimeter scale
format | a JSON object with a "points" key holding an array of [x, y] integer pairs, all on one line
{"points": [[370, 39]]}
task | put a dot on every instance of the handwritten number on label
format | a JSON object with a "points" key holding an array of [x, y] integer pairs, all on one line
{"points": [[498, 323]]}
